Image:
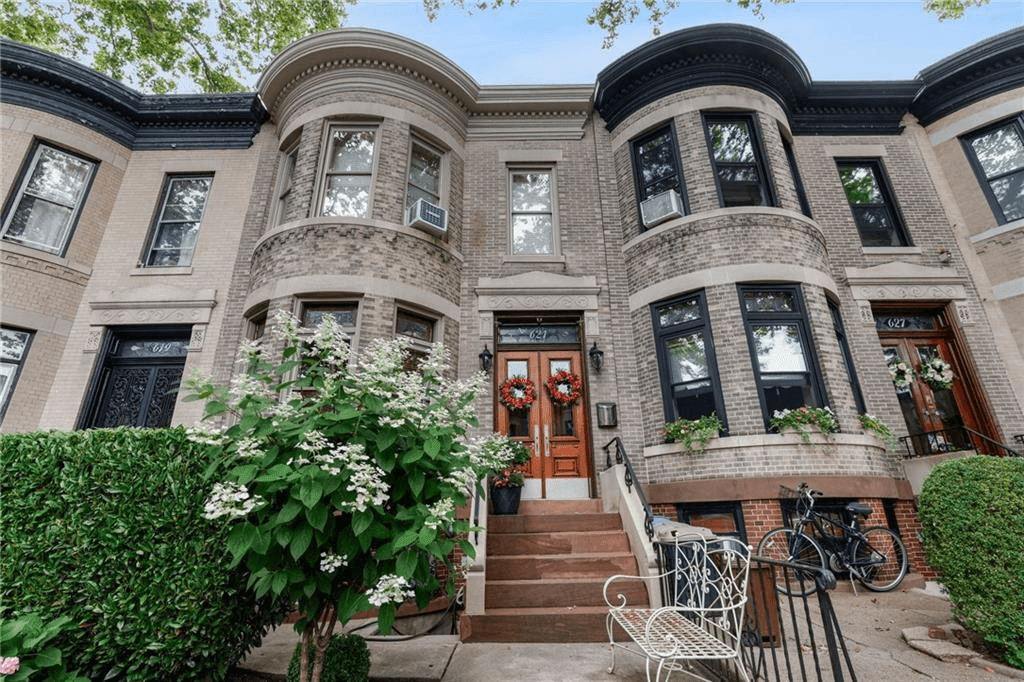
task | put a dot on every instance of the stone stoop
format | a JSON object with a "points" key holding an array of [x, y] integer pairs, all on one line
{"points": [[546, 569]]}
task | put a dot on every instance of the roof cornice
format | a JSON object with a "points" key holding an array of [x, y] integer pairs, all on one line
{"points": [[43, 81], [987, 68]]}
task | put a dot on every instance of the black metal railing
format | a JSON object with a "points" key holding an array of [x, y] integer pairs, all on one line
{"points": [[955, 439], [630, 479], [1019, 438]]}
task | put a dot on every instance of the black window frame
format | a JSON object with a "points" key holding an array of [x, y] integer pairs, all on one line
{"points": [[662, 335], [18, 192], [998, 211], [685, 511], [160, 220], [643, 190], [5, 400], [797, 317], [798, 182], [888, 203], [760, 163], [844, 348]]}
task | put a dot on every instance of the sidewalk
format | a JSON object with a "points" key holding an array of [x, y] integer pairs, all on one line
{"points": [[874, 626]]}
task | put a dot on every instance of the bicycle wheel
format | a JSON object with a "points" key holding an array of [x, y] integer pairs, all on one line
{"points": [[785, 544], [880, 559]]}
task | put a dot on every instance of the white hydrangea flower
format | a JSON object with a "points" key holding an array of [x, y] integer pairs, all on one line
{"points": [[249, 448], [205, 433], [441, 513], [329, 562], [390, 589], [230, 499]]}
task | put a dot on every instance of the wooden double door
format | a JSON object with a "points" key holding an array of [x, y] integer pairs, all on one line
{"points": [[556, 433]]}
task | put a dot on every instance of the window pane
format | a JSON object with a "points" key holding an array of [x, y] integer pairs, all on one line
{"points": [[860, 184], [999, 151], [531, 234], [424, 174], [779, 348], [769, 301], [876, 226], [40, 224], [692, 401], [347, 195], [679, 312], [351, 151], [731, 142], [186, 198], [656, 160], [787, 392], [415, 327], [59, 177], [1009, 193], [517, 368], [687, 359], [531, 192], [13, 344], [344, 315]]}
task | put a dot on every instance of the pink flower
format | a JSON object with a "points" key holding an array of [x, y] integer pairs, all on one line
{"points": [[9, 666]]}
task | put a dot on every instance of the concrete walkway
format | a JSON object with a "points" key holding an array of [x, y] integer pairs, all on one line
{"points": [[890, 636]]}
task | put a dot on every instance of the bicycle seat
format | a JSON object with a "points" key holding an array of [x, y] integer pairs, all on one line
{"points": [[858, 509]]}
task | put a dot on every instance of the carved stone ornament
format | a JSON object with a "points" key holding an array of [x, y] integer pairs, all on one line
{"points": [[156, 304], [536, 291], [899, 281], [92, 340]]}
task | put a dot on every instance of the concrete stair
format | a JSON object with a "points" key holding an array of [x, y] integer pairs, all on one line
{"points": [[546, 567]]}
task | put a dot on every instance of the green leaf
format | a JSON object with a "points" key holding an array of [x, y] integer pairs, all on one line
{"points": [[387, 438], [317, 516], [289, 511], [405, 539], [416, 480], [300, 541], [310, 492], [427, 535], [279, 582], [406, 564], [432, 447], [47, 658], [241, 538], [245, 474], [361, 521], [386, 618], [412, 455]]}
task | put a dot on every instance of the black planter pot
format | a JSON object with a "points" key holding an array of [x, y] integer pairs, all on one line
{"points": [[505, 500]]}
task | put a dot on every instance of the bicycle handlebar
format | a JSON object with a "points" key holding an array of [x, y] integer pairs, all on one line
{"points": [[810, 491]]}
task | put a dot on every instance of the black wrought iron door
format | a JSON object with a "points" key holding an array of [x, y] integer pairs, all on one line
{"points": [[139, 396]]}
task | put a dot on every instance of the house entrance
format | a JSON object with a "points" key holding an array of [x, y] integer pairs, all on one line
{"points": [[137, 381], [935, 414], [555, 430]]}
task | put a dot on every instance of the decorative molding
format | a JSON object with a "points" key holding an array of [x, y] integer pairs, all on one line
{"points": [[897, 281], [963, 313], [195, 343], [537, 291], [17, 256], [92, 340], [154, 304]]}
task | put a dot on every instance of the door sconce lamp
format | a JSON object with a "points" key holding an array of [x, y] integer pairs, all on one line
{"points": [[486, 359], [596, 357]]}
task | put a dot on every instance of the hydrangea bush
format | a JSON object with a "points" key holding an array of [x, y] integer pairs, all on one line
{"points": [[341, 475]]}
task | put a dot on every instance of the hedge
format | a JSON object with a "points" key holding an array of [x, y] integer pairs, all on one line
{"points": [[105, 527], [972, 512]]}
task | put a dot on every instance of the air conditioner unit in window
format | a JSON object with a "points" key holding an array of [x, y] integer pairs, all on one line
{"points": [[661, 207], [428, 217]]}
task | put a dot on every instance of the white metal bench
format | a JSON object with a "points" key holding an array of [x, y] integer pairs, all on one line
{"points": [[705, 587]]}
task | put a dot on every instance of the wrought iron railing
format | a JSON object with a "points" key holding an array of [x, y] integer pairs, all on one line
{"points": [[631, 480], [954, 439], [1020, 439]]}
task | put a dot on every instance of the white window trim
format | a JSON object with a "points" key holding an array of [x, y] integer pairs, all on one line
{"points": [[325, 154], [556, 250], [285, 183], [76, 213]]}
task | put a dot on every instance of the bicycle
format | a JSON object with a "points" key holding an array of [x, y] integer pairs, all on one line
{"points": [[876, 557]]}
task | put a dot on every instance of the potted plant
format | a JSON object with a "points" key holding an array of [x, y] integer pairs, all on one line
{"points": [[507, 482], [880, 429], [802, 418], [693, 434]]}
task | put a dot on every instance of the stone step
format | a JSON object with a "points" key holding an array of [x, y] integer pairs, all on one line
{"points": [[557, 543], [559, 593], [529, 507], [557, 566], [565, 624], [553, 523]]}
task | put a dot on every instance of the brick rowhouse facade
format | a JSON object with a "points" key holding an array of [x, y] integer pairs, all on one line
{"points": [[757, 285]]}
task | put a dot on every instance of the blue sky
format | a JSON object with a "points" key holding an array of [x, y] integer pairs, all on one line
{"points": [[549, 41]]}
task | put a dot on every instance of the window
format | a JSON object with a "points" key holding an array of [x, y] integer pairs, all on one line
{"points": [[343, 313], [177, 225], [998, 158], [724, 519], [424, 174], [418, 331], [736, 157], [844, 347], [871, 201], [798, 182], [656, 164], [14, 345], [49, 199], [533, 214], [284, 185], [686, 359], [349, 170], [780, 345]]}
